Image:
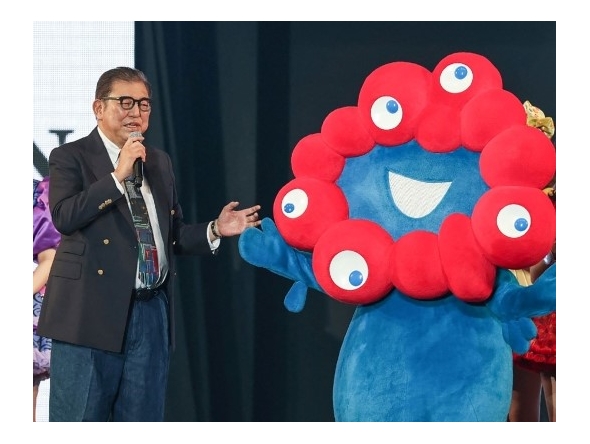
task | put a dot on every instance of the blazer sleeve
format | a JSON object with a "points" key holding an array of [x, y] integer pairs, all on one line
{"points": [[76, 195]]}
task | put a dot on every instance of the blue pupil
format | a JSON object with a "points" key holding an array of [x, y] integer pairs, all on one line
{"points": [[392, 106], [521, 224], [355, 278]]}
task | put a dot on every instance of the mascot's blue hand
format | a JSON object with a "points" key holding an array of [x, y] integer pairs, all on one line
{"points": [[262, 247], [513, 301], [515, 305], [519, 333], [266, 248]]}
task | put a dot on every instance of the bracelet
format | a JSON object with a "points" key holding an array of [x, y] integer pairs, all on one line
{"points": [[214, 229]]}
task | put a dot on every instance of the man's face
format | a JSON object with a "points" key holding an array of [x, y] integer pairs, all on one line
{"points": [[114, 121]]}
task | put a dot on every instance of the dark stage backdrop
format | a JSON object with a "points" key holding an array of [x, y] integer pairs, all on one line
{"points": [[232, 99]]}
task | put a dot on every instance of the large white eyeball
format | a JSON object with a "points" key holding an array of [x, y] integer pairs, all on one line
{"points": [[294, 203], [513, 220], [456, 78], [386, 113], [349, 270]]}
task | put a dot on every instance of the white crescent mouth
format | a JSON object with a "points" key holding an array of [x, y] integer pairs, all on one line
{"points": [[415, 198]]}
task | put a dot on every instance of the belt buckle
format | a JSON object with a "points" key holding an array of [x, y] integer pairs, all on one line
{"points": [[145, 294]]}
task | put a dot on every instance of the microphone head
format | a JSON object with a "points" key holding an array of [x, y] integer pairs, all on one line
{"points": [[138, 165]]}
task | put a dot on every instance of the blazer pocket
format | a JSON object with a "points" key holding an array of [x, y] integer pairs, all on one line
{"points": [[73, 246], [66, 269]]}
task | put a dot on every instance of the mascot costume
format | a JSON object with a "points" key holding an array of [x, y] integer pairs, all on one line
{"points": [[414, 205]]}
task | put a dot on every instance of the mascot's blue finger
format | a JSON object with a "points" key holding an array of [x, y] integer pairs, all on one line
{"points": [[295, 298], [247, 243], [528, 328], [518, 334], [269, 227]]}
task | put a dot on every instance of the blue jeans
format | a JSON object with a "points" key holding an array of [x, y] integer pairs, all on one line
{"points": [[88, 384]]}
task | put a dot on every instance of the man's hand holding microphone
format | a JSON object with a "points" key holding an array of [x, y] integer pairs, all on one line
{"points": [[131, 159]]}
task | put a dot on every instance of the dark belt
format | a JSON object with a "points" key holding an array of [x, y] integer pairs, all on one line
{"points": [[145, 294]]}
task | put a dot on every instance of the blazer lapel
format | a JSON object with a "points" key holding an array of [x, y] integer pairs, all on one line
{"points": [[101, 165], [98, 158]]}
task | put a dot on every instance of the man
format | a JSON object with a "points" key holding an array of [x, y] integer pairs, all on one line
{"points": [[109, 302]]}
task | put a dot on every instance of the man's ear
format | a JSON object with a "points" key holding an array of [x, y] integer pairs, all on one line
{"points": [[97, 108]]}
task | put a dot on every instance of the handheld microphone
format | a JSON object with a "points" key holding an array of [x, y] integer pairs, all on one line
{"points": [[138, 165]]}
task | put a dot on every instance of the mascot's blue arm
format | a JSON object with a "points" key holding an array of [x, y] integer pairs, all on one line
{"points": [[515, 305], [266, 248]]}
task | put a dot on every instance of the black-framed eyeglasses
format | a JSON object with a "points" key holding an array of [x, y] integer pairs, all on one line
{"points": [[128, 103]]}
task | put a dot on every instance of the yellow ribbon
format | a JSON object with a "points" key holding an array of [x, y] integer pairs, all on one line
{"points": [[536, 118]]}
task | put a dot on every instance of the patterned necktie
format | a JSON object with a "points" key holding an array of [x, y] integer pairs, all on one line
{"points": [[149, 268]]}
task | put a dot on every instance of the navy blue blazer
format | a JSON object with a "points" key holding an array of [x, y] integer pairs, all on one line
{"points": [[88, 294]]}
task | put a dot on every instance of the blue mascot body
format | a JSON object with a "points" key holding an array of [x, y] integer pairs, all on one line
{"points": [[415, 205]]}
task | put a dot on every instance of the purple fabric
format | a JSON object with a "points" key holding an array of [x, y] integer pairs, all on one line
{"points": [[44, 233], [44, 236]]}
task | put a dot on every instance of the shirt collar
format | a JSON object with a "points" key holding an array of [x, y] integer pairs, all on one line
{"points": [[112, 149]]}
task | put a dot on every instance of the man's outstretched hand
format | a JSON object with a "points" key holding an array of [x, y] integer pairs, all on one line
{"points": [[232, 222]]}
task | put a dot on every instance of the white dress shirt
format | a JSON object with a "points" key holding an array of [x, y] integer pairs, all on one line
{"points": [[113, 152]]}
